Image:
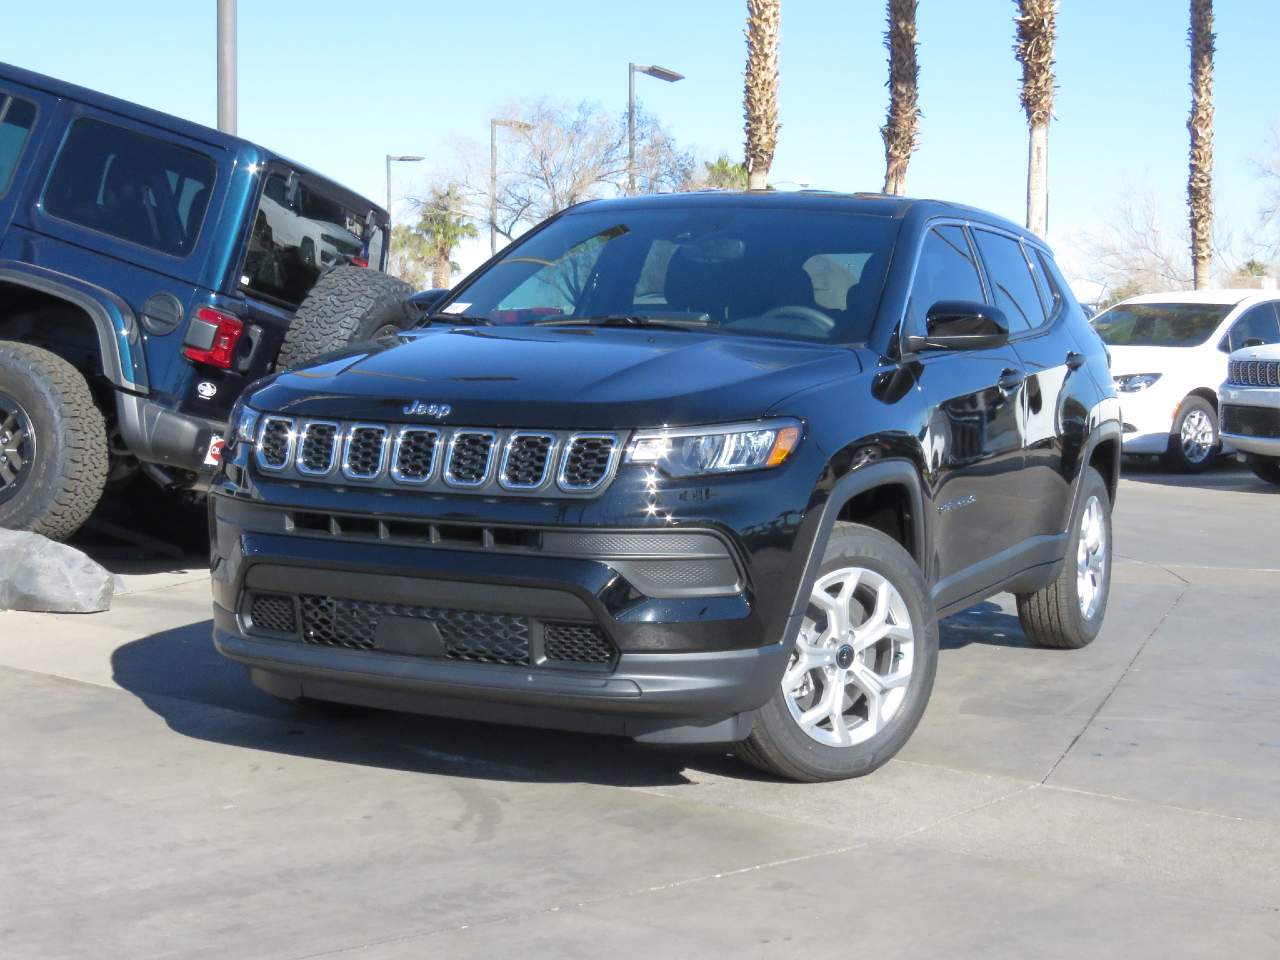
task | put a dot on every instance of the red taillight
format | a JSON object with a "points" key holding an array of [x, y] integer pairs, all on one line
{"points": [[221, 349], [359, 262]]}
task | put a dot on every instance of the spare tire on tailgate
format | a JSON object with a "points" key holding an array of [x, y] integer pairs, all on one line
{"points": [[346, 304]]}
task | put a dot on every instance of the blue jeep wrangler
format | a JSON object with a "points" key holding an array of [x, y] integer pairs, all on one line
{"points": [[150, 268]]}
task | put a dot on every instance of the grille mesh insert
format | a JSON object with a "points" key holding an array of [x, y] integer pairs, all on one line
{"points": [[364, 451], [526, 460], [417, 455], [273, 612], [469, 457], [576, 642], [319, 442], [588, 461], [273, 449], [1255, 373]]}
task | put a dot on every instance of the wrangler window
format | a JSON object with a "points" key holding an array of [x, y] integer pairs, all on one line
{"points": [[16, 119]]}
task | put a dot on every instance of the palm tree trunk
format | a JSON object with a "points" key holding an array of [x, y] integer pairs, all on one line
{"points": [[1033, 46], [1200, 124], [899, 130], [760, 97], [440, 271]]}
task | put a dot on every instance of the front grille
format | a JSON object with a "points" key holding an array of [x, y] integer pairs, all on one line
{"points": [[576, 643], [588, 461], [469, 455], [366, 451], [317, 446], [273, 612], [484, 637], [1250, 421], [275, 443], [1255, 373], [439, 459], [415, 459], [524, 463]]}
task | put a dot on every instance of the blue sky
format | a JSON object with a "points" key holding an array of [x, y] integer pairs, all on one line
{"points": [[339, 84]]}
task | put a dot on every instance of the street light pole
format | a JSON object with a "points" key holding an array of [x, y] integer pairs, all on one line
{"points": [[493, 174], [403, 158], [659, 73], [227, 66]]}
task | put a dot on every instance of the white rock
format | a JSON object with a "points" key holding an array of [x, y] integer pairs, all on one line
{"points": [[41, 575]]}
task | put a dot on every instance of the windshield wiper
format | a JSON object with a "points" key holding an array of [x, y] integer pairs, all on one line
{"points": [[459, 318], [628, 320]]}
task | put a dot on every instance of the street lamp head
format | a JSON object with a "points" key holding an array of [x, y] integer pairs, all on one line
{"points": [[404, 158], [660, 73], [513, 124]]}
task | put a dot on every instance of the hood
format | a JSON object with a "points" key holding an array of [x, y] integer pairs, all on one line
{"points": [[1126, 360], [1268, 351], [557, 377]]}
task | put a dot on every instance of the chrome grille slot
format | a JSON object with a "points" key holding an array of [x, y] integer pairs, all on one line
{"points": [[365, 453], [317, 447], [1255, 373], [415, 454], [525, 460], [275, 443], [588, 460], [470, 455]]}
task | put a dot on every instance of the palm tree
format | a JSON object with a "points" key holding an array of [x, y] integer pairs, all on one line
{"points": [[764, 18], [445, 227], [1034, 50], [899, 130], [1200, 124]]}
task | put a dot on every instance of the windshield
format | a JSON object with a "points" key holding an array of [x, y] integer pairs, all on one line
{"points": [[1160, 324], [762, 271]]}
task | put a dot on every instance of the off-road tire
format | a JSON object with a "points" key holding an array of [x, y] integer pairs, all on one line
{"points": [[1051, 617], [1175, 457], [69, 467], [347, 304], [1266, 469], [776, 743]]}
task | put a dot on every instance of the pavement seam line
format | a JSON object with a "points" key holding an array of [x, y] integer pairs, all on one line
{"points": [[1120, 679]]}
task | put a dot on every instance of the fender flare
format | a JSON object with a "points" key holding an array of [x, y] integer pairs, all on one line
{"points": [[119, 339], [1106, 429], [881, 473]]}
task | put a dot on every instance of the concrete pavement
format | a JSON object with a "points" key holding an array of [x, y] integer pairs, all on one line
{"points": [[1120, 801]]}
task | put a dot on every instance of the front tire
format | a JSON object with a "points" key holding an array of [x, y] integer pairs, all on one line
{"points": [[1268, 470], [1194, 442], [1068, 613], [861, 670], [53, 443]]}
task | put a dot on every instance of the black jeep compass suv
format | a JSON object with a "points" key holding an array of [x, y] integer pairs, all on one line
{"points": [[704, 467]]}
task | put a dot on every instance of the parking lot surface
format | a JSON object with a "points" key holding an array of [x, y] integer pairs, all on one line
{"points": [[1119, 801]]}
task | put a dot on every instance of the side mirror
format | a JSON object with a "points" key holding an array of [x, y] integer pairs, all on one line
{"points": [[960, 325]]}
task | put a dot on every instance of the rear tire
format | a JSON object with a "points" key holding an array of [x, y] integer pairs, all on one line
{"points": [[880, 588], [1068, 614], [347, 304], [1194, 443], [1268, 470], [53, 443]]}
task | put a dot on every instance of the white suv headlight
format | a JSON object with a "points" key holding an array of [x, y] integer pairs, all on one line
{"points": [[732, 448], [1133, 382]]}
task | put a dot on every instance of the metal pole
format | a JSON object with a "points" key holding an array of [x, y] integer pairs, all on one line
{"points": [[227, 66], [493, 187], [631, 128], [388, 187]]}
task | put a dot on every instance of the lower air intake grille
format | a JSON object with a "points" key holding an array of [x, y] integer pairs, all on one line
{"points": [[1250, 421], [273, 612], [576, 642], [587, 463]]}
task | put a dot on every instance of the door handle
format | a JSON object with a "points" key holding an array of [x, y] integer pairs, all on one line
{"points": [[1075, 360], [1010, 380]]}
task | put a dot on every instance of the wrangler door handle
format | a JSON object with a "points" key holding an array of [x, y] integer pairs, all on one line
{"points": [[1075, 360], [1010, 380]]}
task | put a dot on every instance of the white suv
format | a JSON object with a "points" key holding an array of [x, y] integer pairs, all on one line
{"points": [[1251, 408], [1168, 357]]}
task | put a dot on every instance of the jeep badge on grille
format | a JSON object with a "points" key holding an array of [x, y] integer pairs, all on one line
{"points": [[417, 408]]}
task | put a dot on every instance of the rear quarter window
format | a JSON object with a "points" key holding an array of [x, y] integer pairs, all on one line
{"points": [[130, 185], [16, 120]]}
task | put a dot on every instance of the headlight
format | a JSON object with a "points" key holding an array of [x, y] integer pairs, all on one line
{"points": [[1133, 382], [244, 423], [733, 448]]}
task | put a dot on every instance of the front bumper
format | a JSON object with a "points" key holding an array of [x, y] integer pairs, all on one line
{"points": [[1251, 419], [1148, 419]]}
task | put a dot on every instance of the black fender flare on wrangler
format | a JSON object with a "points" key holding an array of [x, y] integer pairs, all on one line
{"points": [[881, 473]]}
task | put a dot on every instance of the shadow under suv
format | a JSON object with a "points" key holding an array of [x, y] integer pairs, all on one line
{"points": [[687, 468]]}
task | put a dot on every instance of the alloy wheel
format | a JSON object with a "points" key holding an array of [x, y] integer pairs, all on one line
{"points": [[1091, 558], [17, 446], [1197, 436], [849, 672]]}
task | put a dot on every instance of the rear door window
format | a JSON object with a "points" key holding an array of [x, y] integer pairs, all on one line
{"points": [[299, 233], [132, 186], [16, 119], [1011, 281]]}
